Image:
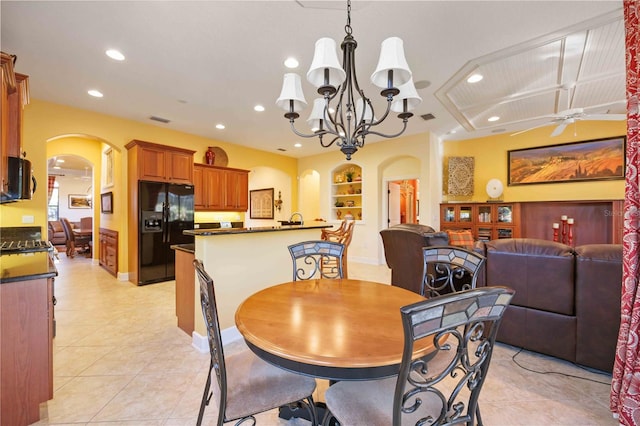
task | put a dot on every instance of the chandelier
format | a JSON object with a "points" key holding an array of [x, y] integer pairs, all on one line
{"points": [[349, 120]]}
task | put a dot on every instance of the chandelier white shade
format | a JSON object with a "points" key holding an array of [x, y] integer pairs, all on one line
{"points": [[291, 93], [391, 59], [344, 113], [408, 94], [325, 58]]}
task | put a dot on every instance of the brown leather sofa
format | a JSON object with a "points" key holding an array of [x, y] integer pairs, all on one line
{"points": [[567, 302], [57, 236], [403, 252]]}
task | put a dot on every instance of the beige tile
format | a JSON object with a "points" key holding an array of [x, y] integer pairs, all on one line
{"points": [[119, 359]]}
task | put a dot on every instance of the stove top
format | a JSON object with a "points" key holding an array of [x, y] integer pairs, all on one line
{"points": [[22, 239], [24, 246]]}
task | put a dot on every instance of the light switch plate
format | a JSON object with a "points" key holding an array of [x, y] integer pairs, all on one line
{"points": [[28, 219]]}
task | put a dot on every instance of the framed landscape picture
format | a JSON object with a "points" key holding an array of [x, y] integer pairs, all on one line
{"points": [[77, 201], [596, 159], [261, 203]]}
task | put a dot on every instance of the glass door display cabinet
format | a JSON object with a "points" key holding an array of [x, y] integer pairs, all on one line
{"points": [[456, 216], [346, 192]]}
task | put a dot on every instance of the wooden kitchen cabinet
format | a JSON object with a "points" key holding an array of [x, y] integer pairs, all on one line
{"points": [[220, 188], [237, 190], [160, 163], [14, 97], [26, 353], [109, 250]]}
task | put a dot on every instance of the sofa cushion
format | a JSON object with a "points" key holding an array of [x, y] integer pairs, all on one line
{"points": [[56, 226], [461, 238], [598, 293], [539, 331], [540, 271]]}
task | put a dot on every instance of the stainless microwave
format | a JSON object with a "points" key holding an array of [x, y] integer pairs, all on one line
{"points": [[21, 182]]}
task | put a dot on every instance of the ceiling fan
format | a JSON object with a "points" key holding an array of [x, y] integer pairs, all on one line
{"points": [[570, 116]]}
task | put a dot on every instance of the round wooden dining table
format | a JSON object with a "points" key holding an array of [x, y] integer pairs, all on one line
{"points": [[340, 329]]}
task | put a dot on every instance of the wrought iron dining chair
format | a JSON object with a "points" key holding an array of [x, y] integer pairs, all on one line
{"points": [[317, 259], [342, 235], [449, 269], [245, 385], [442, 389]]}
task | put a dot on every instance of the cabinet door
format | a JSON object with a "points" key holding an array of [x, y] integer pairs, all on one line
{"points": [[180, 167], [4, 113], [237, 190], [153, 164], [198, 188], [214, 190]]}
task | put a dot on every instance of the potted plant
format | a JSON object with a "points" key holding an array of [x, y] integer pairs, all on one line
{"points": [[349, 175]]}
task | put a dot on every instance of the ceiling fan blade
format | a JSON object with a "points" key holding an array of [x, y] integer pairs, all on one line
{"points": [[530, 128], [606, 117], [558, 130]]}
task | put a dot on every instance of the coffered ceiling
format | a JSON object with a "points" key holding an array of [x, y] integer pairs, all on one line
{"points": [[201, 63]]}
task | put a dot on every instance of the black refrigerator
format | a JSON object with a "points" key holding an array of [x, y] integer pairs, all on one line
{"points": [[165, 210]]}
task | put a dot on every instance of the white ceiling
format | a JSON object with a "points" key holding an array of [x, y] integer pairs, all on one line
{"points": [[206, 62]]}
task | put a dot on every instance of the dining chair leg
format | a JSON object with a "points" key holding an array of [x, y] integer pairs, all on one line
{"points": [[206, 396]]}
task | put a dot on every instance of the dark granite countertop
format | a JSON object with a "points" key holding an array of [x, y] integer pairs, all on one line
{"points": [[220, 231], [27, 266], [189, 248]]}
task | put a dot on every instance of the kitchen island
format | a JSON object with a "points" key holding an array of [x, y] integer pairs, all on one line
{"points": [[242, 261]]}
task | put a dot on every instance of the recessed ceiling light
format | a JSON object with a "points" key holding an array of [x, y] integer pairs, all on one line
{"points": [[115, 54], [59, 160], [452, 132], [494, 118], [95, 93], [474, 78], [220, 126], [291, 63], [422, 84], [56, 167], [258, 108], [297, 145]]}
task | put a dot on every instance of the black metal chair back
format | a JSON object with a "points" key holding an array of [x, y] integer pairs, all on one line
{"points": [[449, 269], [217, 363], [317, 259], [463, 327]]}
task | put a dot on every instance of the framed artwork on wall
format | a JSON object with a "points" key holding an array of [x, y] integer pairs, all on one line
{"points": [[261, 203], [78, 201], [106, 202], [597, 159]]}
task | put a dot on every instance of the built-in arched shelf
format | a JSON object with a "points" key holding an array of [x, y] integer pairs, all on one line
{"points": [[346, 192]]}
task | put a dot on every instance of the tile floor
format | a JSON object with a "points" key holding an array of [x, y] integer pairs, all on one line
{"points": [[119, 359]]}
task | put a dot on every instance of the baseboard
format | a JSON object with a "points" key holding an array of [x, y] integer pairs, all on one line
{"points": [[201, 342]]}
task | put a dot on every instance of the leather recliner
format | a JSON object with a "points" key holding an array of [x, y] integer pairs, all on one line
{"points": [[403, 245]]}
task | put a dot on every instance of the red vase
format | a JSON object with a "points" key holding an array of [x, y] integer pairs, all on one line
{"points": [[210, 156]]}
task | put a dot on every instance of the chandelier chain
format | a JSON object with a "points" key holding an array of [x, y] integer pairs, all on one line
{"points": [[347, 28]]}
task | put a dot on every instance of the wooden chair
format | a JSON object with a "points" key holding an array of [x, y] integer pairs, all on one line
{"points": [[73, 242], [243, 384], [342, 235], [317, 259], [449, 269], [442, 389]]}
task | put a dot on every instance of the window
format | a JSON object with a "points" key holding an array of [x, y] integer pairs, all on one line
{"points": [[54, 202]]}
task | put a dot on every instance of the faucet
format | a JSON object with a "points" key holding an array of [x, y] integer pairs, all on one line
{"points": [[296, 214]]}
